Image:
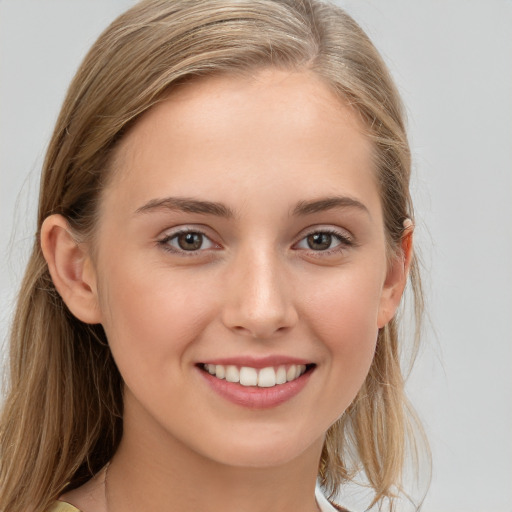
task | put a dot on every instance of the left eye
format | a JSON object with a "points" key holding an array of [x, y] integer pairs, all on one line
{"points": [[322, 241], [188, 241]]}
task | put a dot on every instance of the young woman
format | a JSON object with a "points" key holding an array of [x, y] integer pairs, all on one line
{"points": [[208, 319]]}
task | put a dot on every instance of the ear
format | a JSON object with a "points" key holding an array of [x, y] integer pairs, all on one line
{"points": [[71, 269], [396, 277]]}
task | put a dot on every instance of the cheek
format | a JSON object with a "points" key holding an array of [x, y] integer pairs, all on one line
{"points": [[343, 316], [347, 302], [152, 318]]}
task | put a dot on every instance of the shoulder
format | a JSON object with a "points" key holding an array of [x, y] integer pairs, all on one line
{"points": [[62, 506]]}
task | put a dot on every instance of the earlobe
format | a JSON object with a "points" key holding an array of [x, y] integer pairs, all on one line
{"points": [[396, 278], [71, 269]]}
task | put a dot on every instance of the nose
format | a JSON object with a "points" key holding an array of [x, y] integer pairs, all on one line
{"points": [[258, 299]]}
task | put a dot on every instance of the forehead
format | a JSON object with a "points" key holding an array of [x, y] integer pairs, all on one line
{"points": [[275, 128]]}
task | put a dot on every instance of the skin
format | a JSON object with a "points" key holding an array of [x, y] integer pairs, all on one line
{"points": [[260, 146]]}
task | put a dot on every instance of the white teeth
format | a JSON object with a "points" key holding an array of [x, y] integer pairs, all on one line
{"points": [[281, 375], [248, 376], [263, 378], [232, 374], [267, 378], [292, 373], [220, 371]]}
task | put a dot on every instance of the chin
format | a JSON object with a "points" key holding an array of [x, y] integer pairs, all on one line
{"points": [[261, 453], [258, 459]]}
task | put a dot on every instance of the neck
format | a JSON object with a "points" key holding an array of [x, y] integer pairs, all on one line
{"points": [[150, 473]]}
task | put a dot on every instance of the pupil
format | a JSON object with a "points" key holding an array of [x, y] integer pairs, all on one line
{"points": [[190, 241], [319, 241]]}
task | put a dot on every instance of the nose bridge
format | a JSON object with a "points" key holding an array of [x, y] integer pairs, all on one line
{"points": [[258, 300]]}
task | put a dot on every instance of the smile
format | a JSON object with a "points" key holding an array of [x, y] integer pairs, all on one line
{"points": [[263, 378]]}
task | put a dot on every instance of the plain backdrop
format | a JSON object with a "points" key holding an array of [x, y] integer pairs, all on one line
{"points": [[452, 61]]}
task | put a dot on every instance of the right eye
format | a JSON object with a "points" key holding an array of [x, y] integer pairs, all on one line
{"points": [[189, 241]]}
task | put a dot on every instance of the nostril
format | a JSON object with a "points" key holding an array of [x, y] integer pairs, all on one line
{"points": [[260, 331], [260, 326]]}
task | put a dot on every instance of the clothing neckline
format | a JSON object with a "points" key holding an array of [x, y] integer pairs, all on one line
{"points": [[323, 503]]}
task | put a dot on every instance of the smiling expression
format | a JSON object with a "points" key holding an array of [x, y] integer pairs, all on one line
{"points": [[241, 266]]}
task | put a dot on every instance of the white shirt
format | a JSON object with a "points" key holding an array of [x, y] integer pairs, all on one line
{"points": [[322, 502]]}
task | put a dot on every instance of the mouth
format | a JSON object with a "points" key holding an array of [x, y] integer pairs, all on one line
{"points": [[247, 376]]}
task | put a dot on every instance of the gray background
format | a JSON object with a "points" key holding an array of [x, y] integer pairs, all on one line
{"points": [[452, 61]]}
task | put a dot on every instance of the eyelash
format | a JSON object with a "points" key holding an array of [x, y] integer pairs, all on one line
{"points": [[164, 242], [344, 242]]}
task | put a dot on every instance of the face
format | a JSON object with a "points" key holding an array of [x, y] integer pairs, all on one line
{"points": [[241, 266]]}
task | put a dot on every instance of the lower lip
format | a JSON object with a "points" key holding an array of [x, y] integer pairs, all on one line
{"points": [[254, 397]]}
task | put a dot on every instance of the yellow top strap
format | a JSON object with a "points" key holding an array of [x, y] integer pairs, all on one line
{"points": [[62, 506]]}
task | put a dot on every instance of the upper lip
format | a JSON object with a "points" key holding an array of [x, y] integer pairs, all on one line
{"points": [[257, 362]]}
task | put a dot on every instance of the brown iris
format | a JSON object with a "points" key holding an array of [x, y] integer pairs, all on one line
{"points": [[319, 241], [190, 241]]}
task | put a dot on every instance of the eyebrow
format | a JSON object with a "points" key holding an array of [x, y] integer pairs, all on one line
{"points": [[328, 203], [186, 204], [190, 205]]}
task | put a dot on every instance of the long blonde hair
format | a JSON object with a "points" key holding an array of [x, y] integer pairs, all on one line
{"points": [[62, 419]]}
